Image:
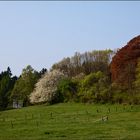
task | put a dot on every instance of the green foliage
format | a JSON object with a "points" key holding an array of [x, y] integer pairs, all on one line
{"points": [[92, 78], [6, 86], [88, 80], [121, 95], [25, 84], [67, 90], [94, 88]]}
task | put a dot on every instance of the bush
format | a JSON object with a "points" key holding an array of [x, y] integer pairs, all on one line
{"points": [[94, 88], [67, 90]]}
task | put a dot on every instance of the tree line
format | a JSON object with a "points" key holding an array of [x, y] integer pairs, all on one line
{"points": [[83, 78], [13, 87]]}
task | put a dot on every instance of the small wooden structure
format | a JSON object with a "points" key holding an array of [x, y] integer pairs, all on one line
{"points": [[17, 103]]}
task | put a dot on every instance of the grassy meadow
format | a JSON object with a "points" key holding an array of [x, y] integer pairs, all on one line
{"points": [[71, 121]]}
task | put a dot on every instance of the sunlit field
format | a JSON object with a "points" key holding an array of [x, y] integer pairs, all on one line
{"points": [[71, 121]]}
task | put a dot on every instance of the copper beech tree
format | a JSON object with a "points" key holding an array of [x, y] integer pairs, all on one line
{"points": [[124, 63]]}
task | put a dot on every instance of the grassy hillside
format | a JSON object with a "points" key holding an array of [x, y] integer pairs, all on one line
{"points": [[71, 122]]}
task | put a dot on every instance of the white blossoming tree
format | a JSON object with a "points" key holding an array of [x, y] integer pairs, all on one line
{"points": [[46, 87]]}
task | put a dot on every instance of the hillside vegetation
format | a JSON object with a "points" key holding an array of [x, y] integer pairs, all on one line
{"points": [[98, 76]]}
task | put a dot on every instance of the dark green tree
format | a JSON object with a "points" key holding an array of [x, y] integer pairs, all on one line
{"points": [[43, 71], [67, 90], [25, 85], [6, 85]]}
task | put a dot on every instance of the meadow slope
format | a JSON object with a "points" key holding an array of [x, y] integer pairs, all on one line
{"points": [[71, 121]]}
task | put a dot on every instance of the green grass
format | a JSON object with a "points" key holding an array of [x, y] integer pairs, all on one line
{"points": [[71, 121]]}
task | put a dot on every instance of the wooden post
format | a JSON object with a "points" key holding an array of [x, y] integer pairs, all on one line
{"points": [[51, 114], [25, 117], [32, 116], [12, 125], [86, 112], [107, 118], [102, 118], [116, 109]]}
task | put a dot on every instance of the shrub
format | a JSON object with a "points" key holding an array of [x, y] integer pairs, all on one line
{"points": [[67, 90]]}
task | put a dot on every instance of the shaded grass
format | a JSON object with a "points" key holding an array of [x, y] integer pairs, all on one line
{"points": [[71, 121]]}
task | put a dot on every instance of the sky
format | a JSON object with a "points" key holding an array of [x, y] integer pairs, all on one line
{"points": [[41, 33]]}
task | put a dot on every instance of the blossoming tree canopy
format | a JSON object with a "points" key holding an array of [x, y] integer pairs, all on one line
{"points": [[46, 87]]}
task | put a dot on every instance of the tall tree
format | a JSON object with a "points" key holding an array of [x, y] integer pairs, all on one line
{"points": [[88, 62], [6, 85], [25, 84]]}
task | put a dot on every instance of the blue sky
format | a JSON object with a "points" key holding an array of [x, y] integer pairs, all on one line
{"points": [[42, 33]]}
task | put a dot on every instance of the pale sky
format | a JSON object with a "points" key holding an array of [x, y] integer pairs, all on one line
{"points": [[41, 33]]}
